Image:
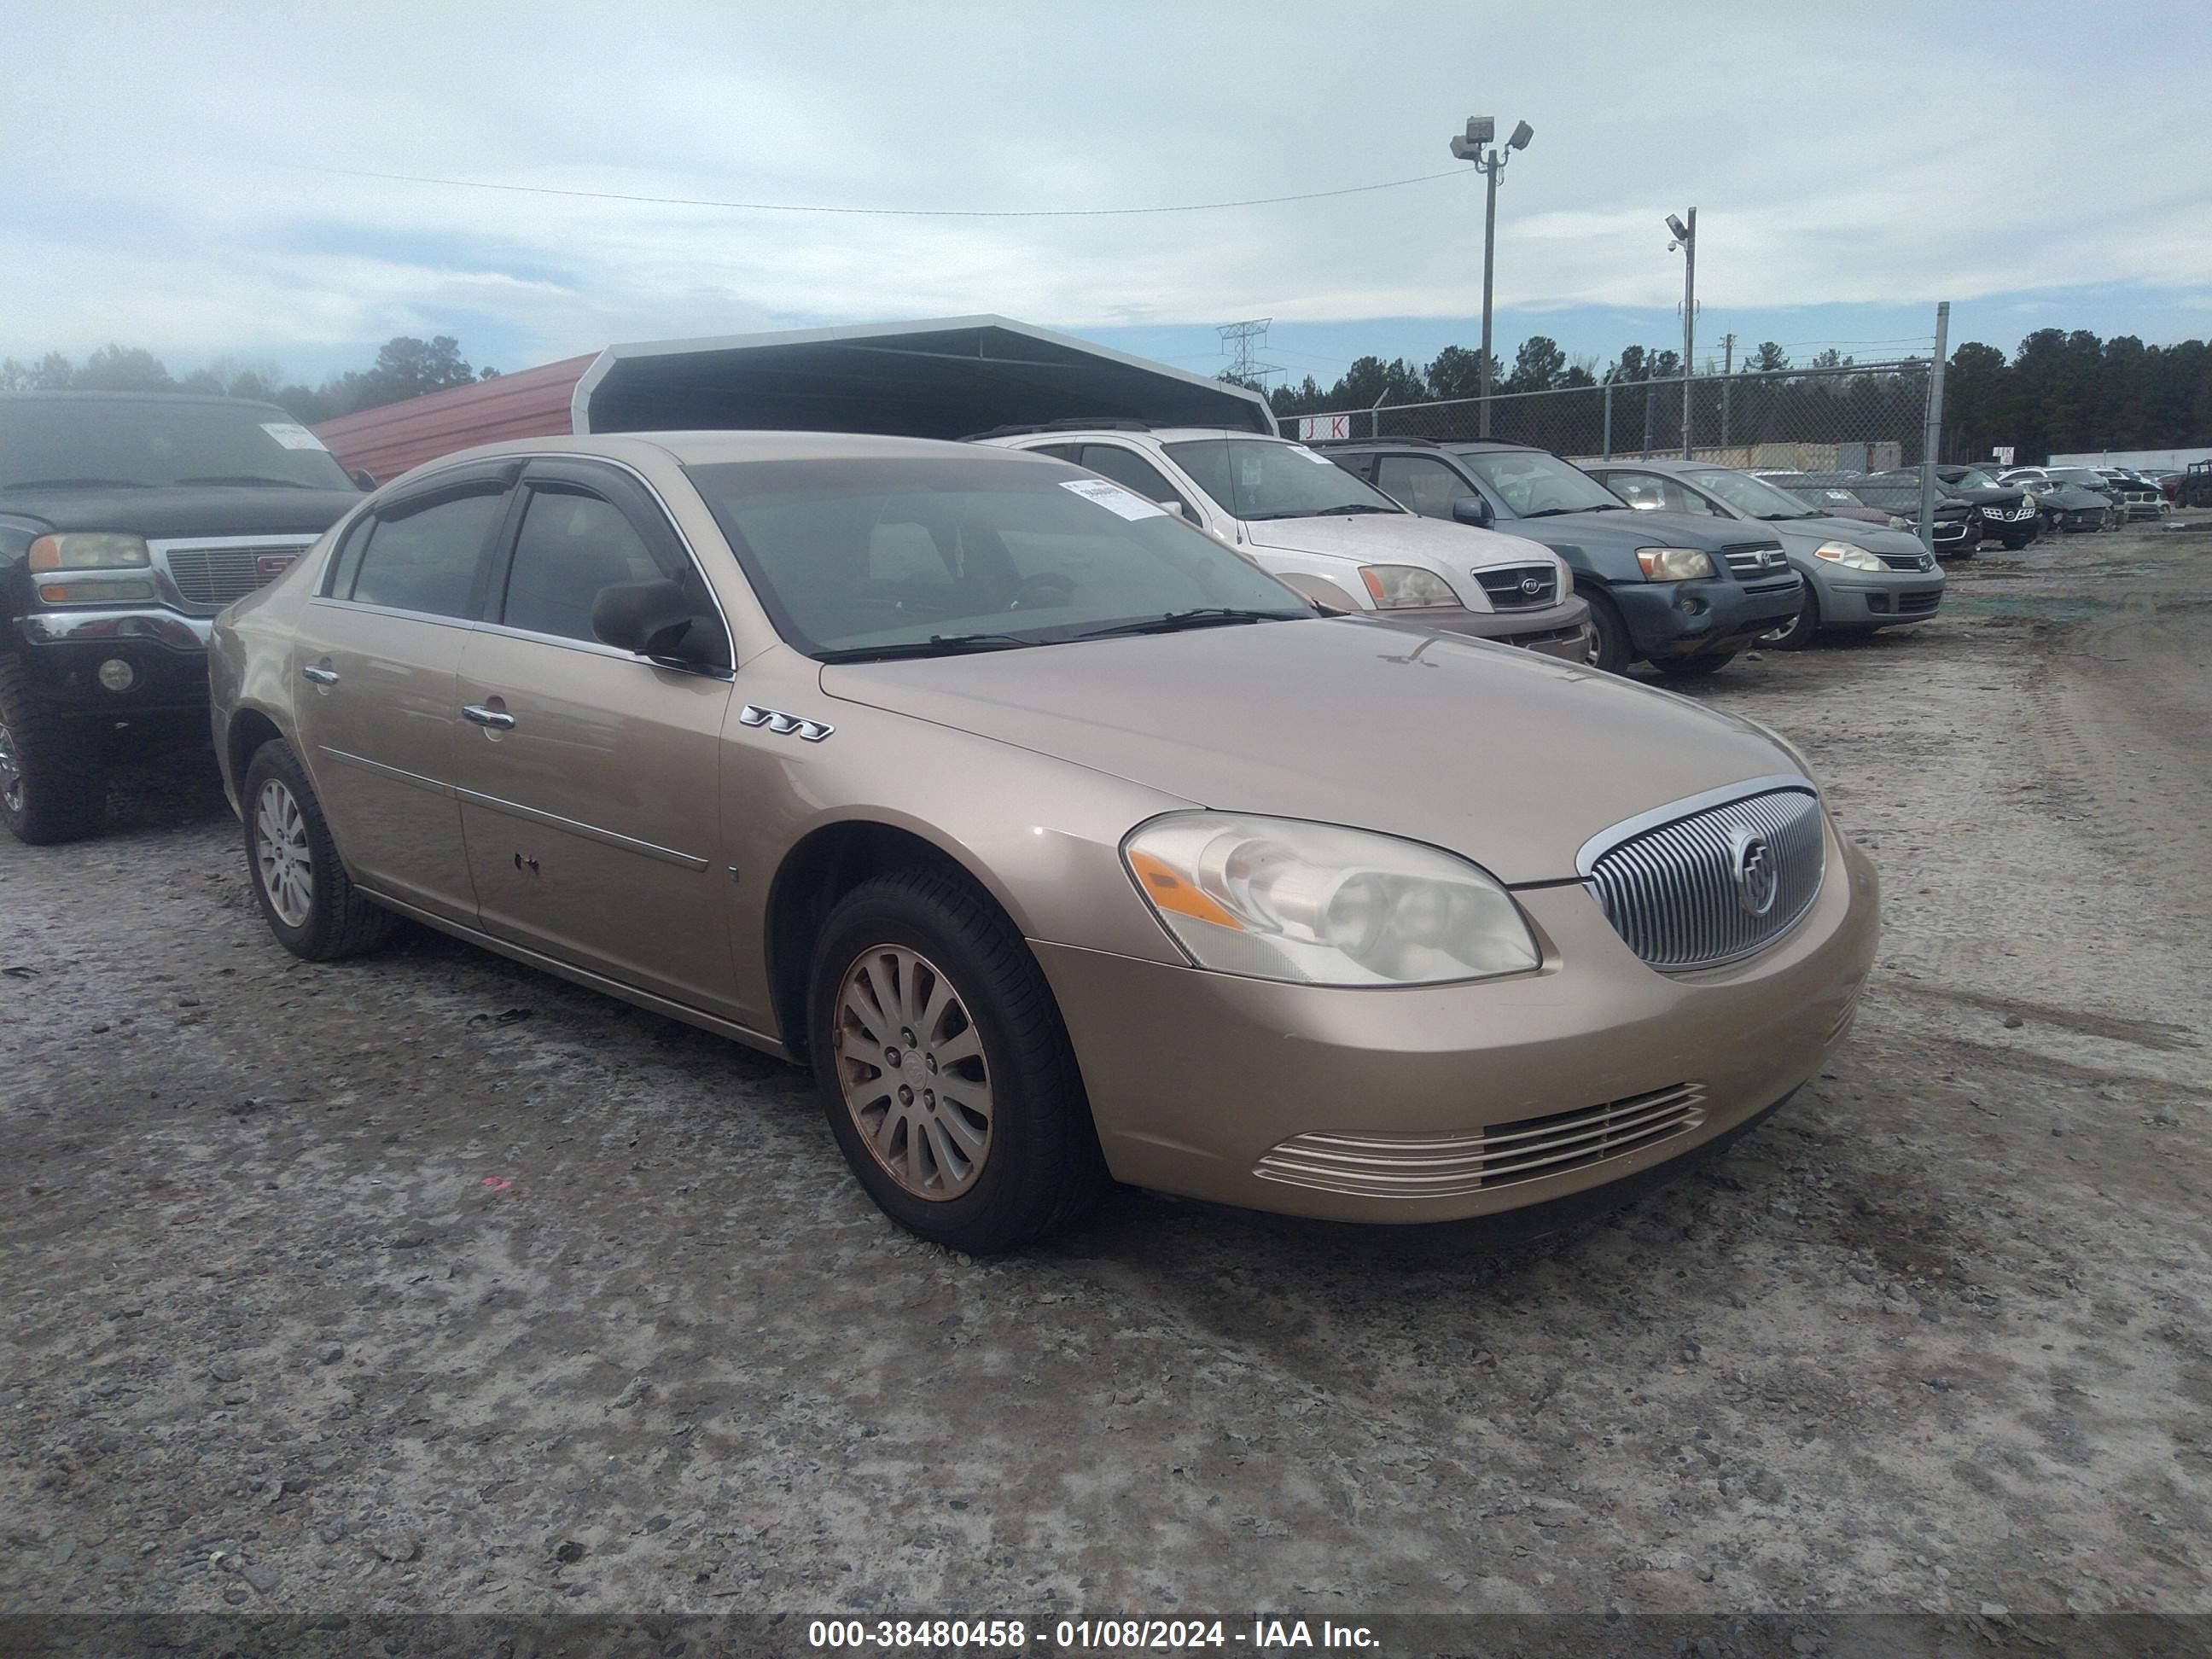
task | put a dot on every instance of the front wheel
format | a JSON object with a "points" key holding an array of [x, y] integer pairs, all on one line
{"points": [[53, 775], [306, 896], [2014, 544], [1803, 629], [1613, 650], [1695, 668], [944, 1067]]}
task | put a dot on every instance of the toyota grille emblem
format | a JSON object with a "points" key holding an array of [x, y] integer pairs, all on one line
{"points": [[1531, 586], [1756, 881]]}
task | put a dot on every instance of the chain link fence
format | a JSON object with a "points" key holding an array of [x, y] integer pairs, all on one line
{"points": [[1865, 417]]}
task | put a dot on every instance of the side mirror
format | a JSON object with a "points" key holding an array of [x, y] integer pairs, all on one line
{"points": [[1181, 508], [1472, 509], [659, 620], [363, 477]]}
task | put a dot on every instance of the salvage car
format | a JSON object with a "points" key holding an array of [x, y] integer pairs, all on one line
{"points": [[1957, 530], [2007, 512], [2068, 507], [1837, 500], [1858, 578], [1060, 841], [1677, 592], [1334, 539], [128, 520]]}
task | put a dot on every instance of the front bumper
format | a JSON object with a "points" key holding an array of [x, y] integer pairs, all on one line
{"points": [[1198, 1080], [1668, 620], [1561, 630], [1958, 535], [1997, 527], [63, 651], [1874, 599]]}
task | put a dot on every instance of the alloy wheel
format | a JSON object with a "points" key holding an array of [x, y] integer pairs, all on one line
{"points": [[281, 855], [910, 1063], [11, 773]]}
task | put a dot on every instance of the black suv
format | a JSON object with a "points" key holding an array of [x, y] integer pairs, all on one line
{"points": [[1684, 593], [127, 520]]}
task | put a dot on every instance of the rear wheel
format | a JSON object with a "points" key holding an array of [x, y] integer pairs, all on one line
{"points": [[944, 1067], [53, 774], [1695, 668], [306, 896], [1613, 650]]}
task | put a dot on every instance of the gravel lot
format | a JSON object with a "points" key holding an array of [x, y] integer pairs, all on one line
{"points": [[425, 1282]]}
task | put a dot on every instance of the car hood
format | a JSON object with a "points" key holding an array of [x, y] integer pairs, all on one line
{"points": [[1625, 532], [186, 509], [2072, 498], [1804, 535], [1380, 537], [1510, 759]]}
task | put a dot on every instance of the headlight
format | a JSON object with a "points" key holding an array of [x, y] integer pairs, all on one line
{"points": [[1674, 564], [1851, 558], [1314, 904], [1397, 587], [89, 551]]}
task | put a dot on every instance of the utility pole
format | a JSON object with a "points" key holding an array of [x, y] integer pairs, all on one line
{"points": [[1727, 373], [1469, 147], [1241, 343], [1931, 437], [1685, 237]]}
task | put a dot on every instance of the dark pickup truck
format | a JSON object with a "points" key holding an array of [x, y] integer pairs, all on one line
{"points": [[127, 520]]}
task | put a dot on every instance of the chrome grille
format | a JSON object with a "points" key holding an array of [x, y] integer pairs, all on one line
{"points": [[1753, 558], [1673, 884], [213, 573], [1450, 1166], [1907, 561], [1509, 589]]}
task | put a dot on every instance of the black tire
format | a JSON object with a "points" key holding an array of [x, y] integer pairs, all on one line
{"points": [[1614, 650], [1695, 668], [1804, 628], [2014, 544], [1042, 1167], [53, 767], [339, 920]]}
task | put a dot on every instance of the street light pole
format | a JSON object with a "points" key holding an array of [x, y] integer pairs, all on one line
{"points": [[1469, 147], [1685, 237]]}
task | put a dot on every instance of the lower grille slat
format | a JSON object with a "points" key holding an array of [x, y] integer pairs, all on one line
{"points": [[1498, 1155]]}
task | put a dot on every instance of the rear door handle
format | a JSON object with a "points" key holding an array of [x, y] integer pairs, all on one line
{"points": [[320, 676], [491, 717]]}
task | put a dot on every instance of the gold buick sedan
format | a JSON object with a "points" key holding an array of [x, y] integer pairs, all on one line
{"points": [[1062, 843]]}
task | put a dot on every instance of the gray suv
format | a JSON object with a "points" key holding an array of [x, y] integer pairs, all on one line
{"points": [[1683, 593]]}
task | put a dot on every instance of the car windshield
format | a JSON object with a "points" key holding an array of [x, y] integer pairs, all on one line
{"points": [[1755, 496], [2078, 475], [1974, 478], [64, 442], [1254, 478], [855, 558], [1535, 484]]}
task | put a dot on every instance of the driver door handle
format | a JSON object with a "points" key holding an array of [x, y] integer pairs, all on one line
{"points": [[319, 676], [491, 717]]}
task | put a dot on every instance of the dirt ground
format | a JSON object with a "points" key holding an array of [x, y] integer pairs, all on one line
{"points": [[427, 1283]]}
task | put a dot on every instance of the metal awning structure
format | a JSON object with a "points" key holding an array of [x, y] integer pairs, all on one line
{"points": [[944, 377]]}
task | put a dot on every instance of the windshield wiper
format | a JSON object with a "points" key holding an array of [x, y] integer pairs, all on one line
{"points": [[1779, 517], [246, 479], [937, 645], [1554, 511], [75, 483], [1354, 507], [1213, 616]]}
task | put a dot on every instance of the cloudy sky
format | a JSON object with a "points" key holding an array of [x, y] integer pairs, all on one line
{"points": [[190, 178]]}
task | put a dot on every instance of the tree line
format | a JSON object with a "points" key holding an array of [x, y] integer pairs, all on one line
{"points": [[404, 368], [2061, 392]]}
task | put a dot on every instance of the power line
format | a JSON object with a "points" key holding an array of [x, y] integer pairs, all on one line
{"points": [[882, 212]]}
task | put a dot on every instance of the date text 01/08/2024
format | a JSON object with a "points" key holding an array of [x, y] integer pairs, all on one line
{"points": [[1086, 1635]]}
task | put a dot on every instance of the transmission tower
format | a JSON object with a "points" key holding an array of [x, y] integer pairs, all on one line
{"points": [[1239, 341]]}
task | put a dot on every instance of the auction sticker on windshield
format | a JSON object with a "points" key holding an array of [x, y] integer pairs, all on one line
{"points": [[1114, 498], [291, 434]]}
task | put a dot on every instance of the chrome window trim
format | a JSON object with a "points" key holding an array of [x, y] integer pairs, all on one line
{"points": [[1659, 817], [396, 613], [589, 831]]}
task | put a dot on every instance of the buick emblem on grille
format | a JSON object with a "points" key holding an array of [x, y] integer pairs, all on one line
{"points": [[1756, 881], [1531, 586]]}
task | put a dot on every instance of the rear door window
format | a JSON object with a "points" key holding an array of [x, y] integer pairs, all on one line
{"points": [[424, 558], [1428, 486]]}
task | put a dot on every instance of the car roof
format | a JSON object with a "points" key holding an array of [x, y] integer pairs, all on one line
{"points": [[709, 448], [1664, 463], [216, 398], [1163, 434]]}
